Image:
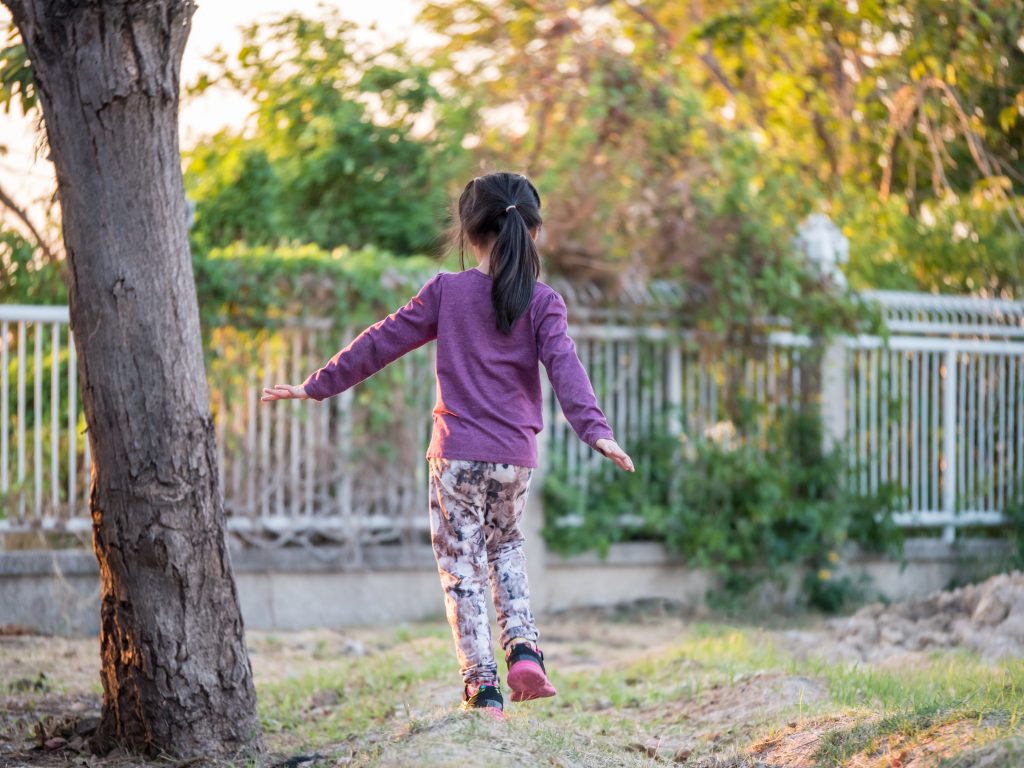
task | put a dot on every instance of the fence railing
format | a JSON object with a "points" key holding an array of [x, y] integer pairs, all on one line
{"points": [[937, 409], [44, 464], [943, 419]]}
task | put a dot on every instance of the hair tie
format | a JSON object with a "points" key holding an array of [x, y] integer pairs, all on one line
{"points": [[510, 207]]}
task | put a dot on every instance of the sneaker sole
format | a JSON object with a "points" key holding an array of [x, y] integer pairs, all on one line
{"points": [[492, 712], [528, 681]]}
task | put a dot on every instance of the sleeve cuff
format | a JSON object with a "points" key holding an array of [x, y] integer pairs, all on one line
{"points": [[599, 434], [311, 389]]}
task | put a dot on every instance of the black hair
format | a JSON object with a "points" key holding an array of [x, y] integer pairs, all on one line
{"points": [[505, 206]]}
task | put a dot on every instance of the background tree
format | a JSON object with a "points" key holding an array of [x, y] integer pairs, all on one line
{"points": [[909, 112], [348, 144], [615, 123], [21, 238], [899, 118], [175, 672]]}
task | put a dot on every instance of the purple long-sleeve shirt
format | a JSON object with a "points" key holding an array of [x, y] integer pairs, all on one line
{"points": [[489, 402]]}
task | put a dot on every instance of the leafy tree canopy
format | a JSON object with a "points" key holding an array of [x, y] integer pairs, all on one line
{"points": [[347, 145], [668, 139], [896, 118]]}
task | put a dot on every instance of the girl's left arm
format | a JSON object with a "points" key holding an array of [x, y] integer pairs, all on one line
{"points": [[402, 331]]}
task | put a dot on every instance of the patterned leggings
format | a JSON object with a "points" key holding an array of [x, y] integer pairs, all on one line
{"points": [[475, 509]]}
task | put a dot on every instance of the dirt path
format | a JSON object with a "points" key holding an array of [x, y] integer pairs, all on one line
{"points": [[638, 687]]}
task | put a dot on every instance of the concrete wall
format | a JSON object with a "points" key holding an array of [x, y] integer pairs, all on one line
{"points": [[57, 591]]}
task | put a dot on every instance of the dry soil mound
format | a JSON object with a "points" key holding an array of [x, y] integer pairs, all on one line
{"points": [[986, 617]]}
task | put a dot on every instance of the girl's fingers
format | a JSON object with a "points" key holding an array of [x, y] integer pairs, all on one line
{"points": [[612, 450], [622, 459], [279, 392]]}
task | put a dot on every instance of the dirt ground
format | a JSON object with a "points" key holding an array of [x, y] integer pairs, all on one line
{"points": [[987, 618], [639, 686]]}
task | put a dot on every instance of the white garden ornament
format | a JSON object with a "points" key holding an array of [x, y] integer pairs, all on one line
{"points": [[824, 245]]}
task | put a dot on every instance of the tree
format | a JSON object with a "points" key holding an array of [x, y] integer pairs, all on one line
{"points": [[348, 144], [897, 117], [175, 672]]}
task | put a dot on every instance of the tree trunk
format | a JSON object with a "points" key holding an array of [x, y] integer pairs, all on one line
{"points": [[176, 674]]}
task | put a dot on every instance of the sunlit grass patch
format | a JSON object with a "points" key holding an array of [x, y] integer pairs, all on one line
{"points": [[947, 678], [944, 701], [724, 650], [926, 709], [706, 654], [919, 704], [678, 690], [347, 695]]}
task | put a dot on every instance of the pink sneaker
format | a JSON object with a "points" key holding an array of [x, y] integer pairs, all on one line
{"points": [[526, 674], [487, 698]]}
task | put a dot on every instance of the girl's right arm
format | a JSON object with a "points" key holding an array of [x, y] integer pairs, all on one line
{"points": [[569, 380], [405, 329]]}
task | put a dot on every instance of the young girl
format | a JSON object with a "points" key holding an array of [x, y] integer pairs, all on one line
{"points": [[493, 323]]}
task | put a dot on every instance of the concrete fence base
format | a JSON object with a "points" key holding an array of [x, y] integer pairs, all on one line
{"points": [[57, 591]]}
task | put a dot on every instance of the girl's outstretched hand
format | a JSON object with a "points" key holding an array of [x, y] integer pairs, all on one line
{"points": [[612, 450], [284, 392]]}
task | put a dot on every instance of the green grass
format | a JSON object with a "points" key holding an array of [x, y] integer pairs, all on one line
{"points": [[388, 698], [949, 677], [394, 705], [953, 686], [359, 692]]}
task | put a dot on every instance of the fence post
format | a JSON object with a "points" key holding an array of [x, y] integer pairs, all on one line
{"points": [[675, 389], [535, 547], [833, 393], [949, 403]]}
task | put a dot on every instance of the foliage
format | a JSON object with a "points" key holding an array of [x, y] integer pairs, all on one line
{"points": [[16, 80], [256, 287], [913, 96], [25, 278], [630, 114], [752, 274], [259, 286], [910, 112], [698, 134], [960, 244], [743, 510], [1014, 514], [346, 145]]}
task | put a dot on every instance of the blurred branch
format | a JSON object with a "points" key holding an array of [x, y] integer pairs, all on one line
{"points": [[901, 106], [939, 180], [666, 35], [974, 144], [8, 202]]}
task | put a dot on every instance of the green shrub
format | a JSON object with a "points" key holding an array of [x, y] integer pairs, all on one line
{"points": [[742, 510], [261, 286]]}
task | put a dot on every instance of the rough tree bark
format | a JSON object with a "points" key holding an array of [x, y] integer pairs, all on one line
{"points": [[176, 674]]}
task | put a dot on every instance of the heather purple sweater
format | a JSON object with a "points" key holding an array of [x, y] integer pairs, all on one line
{"points": [[488, 385]]}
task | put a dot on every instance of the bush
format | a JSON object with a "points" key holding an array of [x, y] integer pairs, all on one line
{"points": [[264, 287], [742, 510]]}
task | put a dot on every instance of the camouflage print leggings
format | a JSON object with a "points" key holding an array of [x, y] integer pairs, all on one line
{"points": [[475, 509]]}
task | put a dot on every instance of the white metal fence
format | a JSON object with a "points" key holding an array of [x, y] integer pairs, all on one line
{"points": [[938, 409], [44, 468]]}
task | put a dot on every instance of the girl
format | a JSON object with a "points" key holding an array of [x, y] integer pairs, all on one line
{"points": [[493, 323]]}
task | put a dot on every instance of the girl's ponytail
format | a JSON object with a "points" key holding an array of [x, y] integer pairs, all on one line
{"points": [[505, 206], [515, 267]]}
